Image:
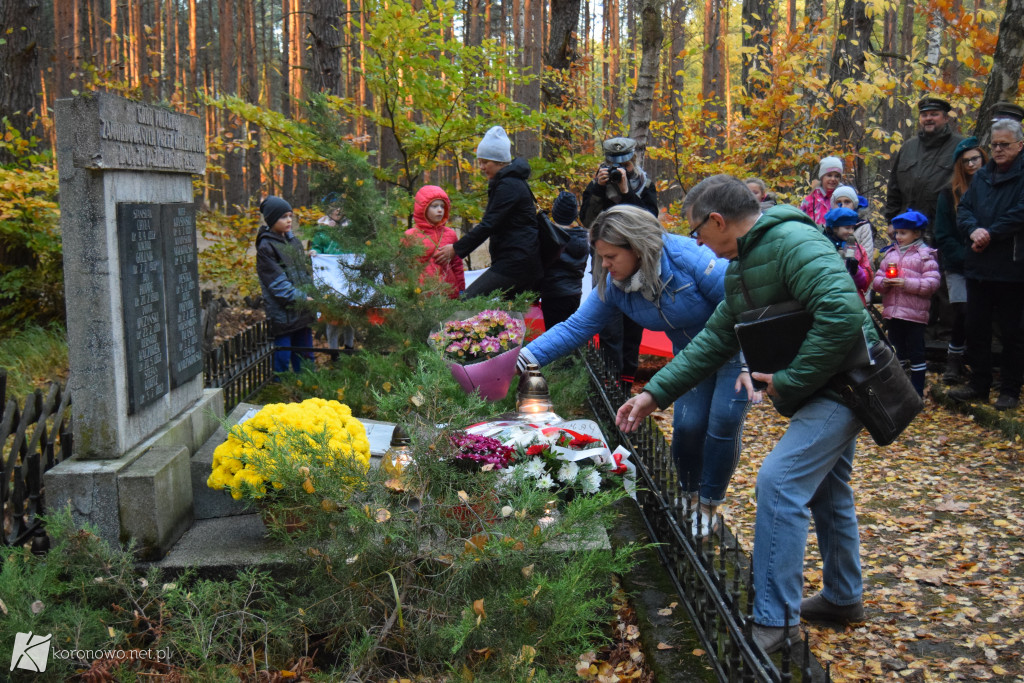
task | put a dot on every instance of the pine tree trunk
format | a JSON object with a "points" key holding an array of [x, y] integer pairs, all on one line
{"points": [[561, 52], [63, 47], [19, 67], [326, 48], [847, 66], [234, 182], [251, 93], [287, 173], [759, 16], [527, 142], [713, 77], [641, 104], [193, 56], [1004, 80]]}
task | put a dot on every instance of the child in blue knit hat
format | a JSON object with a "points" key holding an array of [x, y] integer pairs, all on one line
{"points": [[840, 226], [907, 277]]}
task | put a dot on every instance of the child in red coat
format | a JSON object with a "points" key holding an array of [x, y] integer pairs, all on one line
{"points": [[430, 215], [907, 277]]}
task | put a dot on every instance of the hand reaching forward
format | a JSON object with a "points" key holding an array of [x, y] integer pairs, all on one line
{"points": [[634, 411]]}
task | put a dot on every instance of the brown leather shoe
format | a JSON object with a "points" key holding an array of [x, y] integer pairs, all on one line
{"points": [[817, 608]]}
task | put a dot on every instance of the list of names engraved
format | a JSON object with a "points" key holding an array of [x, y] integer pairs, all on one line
{"points": [[181, 282], [142, 299]]}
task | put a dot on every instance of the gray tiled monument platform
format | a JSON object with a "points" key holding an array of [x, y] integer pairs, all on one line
{"points": [[131, 281]]}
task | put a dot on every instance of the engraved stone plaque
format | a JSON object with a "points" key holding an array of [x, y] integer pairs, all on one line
{"points": [[181, 290], [142, 300], [136, 136]]}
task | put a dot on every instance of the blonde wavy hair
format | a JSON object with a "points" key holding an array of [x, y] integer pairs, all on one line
{"points": [[633, 228]]}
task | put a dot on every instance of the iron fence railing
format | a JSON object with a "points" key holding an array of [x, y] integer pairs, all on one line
{"points": [[241, 365], [33, 439], [712, 577]]}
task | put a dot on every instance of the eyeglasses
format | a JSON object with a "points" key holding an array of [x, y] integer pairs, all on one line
{"points": [[694, 231], [1005, 145], [971, 161]]}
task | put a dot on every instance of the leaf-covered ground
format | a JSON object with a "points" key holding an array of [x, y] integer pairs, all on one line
{"points": [[942, 515]]}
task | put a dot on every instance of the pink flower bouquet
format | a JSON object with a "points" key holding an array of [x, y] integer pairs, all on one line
{"points": [[482, 351]]}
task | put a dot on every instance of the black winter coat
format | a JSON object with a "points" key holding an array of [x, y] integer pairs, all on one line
{"points": [[596, 200], [564, 277], [995, 201], [510, 222], [921, 169], [948, 237], [284, 273]]}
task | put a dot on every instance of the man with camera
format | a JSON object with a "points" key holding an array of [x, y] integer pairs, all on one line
{"points": [[620, 181]]}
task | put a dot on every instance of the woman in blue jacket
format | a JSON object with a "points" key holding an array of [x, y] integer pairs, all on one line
{"points": [[668, 283]]}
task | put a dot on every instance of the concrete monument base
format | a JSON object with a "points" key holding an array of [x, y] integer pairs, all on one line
{"points": [[146, 495]]}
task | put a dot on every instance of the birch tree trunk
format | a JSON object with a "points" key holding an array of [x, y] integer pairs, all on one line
{"points": [[1004, 80]]}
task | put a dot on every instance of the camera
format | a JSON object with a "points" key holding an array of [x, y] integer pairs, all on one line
{"points": [[614, 173]]}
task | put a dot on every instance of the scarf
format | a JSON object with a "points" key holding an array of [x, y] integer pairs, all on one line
{"points": [[637, 283]]}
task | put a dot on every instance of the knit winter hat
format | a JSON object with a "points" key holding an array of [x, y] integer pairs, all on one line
{"points": [[845, 191], [829, 164], [910, 220], [495, 146], [965, 144], [273, 208], [841, 216], [564, 209]]}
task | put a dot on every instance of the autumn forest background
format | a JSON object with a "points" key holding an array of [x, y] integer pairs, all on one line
{"points": [[751, 88]]}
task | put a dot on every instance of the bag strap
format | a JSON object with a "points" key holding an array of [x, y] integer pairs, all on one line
{"points": [[536, 205]]}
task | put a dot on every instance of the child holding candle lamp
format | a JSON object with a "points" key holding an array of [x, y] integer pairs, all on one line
{"points": [[907, 277]]}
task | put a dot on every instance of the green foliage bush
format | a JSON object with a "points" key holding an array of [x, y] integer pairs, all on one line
{"points": [[31, 265]]}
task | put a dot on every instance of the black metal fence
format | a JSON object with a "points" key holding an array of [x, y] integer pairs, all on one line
{"points": [[241, 365], [39, 436], [36, 437], [711, 577]]}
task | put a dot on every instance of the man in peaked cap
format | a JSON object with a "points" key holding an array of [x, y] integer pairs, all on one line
{"points": [[619, 180], [923, 167], [1007, 110]]}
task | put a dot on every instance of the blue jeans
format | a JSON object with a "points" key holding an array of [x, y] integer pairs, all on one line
{"points": [[809, 467], [303, 337], [707, 427]]}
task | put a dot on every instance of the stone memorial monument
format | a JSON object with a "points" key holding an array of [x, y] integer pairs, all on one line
{"points": [[128, 224]]}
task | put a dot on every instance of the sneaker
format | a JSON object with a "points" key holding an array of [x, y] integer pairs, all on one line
{"points": [[817, 608], [704, 522], [967, 393], [772, 638], [1006, 402]]}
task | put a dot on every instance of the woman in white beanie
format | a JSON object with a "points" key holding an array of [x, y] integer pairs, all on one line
{"points": [[509, 221], [845, 197], [818, 202]]}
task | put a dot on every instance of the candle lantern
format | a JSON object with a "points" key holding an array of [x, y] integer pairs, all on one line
{"points": [[399, 453], [533, 400], [892, 270]]}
